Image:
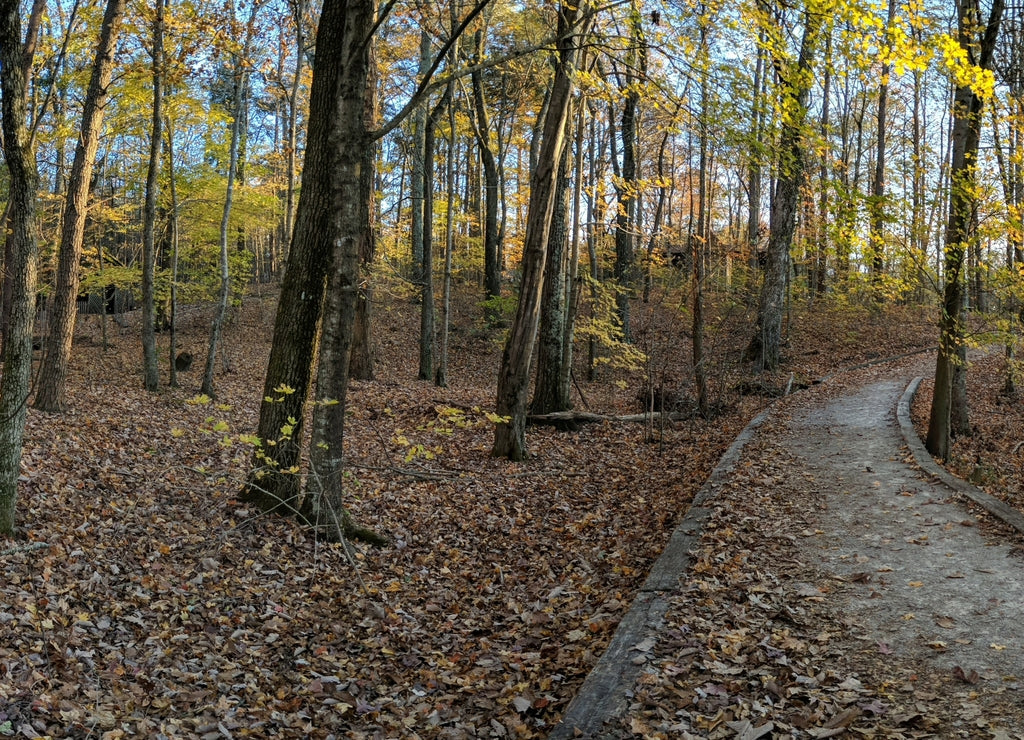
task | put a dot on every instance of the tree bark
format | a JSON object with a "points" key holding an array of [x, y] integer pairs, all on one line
{"points": [[150, 372], [949, 400], [427, 313], [492, 236], [173, 187], [766, 341], [53, 374], [513, 376], [363, 356], [272, 484], [876, 237], [548, 393], [418, 181], [239, 83], [20, 266], [298, 12], [344, 39]]}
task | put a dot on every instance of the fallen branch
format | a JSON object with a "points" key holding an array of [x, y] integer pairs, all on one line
{"points": [[584, 417], [25, 548]]}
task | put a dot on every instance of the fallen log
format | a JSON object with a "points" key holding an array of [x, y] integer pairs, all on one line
{"points": [[586, 417]]}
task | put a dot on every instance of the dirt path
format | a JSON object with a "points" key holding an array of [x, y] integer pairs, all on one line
{"points": [[826, 587]]}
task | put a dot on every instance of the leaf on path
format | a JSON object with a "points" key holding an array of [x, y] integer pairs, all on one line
{"points": [[971, 676], [745, 730]]}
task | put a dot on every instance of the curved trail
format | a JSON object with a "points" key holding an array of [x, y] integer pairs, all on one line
{"points": [[914, 575], [923, 572]]}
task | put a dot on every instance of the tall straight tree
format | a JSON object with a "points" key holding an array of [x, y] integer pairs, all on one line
{"points": [[50, 396], [239, 84], [549, 395], [977, 38], [21, 251], [150, 372], [418, 145], [626, 173], [877, 202], [795, 81], [489, 161], [427, 309], [290, 367], [514, 372], [344, 39]]}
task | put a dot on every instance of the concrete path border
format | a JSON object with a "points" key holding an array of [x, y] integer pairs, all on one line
{"points": [[924, 460], [605, 692]]}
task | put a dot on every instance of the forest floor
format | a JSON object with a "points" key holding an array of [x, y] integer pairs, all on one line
{"points": [[145, 600]]}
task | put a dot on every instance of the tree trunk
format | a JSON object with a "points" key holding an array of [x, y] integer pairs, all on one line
{"points": [[700, 244], [419, 181], [766, 341], [299, 11], [63, 309], [949, 414], [20, 267], [876, 237], [332, 219], [272, 485], [363, 357], [239, 83], [427, 269], [755, 158], [821, 247], [173, 187], [344, 35], [547, 395], [514, 373], [441, 376], [150, 372], [627, 189], [574, 282], [492, 246]]}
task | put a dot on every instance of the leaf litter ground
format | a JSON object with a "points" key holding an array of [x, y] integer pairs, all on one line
{"points": [[147, 601]]}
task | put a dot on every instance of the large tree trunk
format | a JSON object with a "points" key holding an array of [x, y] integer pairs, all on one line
{"points": [[766, 341], [150, 372], [949, 399], [344, 35], [20, 267], [63, 309], [514, 374], [363, 356], [548, 393], [290, 367]]}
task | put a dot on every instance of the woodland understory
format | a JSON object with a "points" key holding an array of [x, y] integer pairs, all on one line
{"points": [[143, 600]]}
